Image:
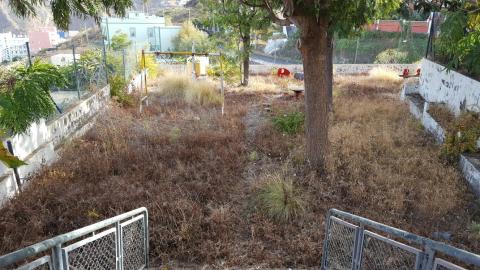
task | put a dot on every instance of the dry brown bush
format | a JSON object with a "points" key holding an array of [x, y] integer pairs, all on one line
{"points": [[189, 166]]}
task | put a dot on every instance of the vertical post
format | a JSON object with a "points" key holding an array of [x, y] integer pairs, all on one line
{"points": [[59, 262], [145, 223], [193, 59], [119, 246], [221, 85], [325, 242], [124, 66], [105, 61], [77, 85], [144, 71], [15, 170], [160, 38], [358, 248], [27, 44], [431, 33], [356, 51]]}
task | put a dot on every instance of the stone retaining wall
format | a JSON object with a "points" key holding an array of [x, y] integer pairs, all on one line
{"points": [[40, 144]]}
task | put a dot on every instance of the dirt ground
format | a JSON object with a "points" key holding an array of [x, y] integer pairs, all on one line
{"points": [[198, 172]]}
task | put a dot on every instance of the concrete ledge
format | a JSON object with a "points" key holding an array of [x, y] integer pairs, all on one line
{"points": [[432, 126], [416, 104], [470, 166], [341, 69]]}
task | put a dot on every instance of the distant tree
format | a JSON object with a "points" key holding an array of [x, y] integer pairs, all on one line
{"points": [[120, 41], [318, 20], [189, 35], [242, 20], [63, 10]]}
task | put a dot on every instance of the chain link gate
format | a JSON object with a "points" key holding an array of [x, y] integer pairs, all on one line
{"points": [[118, 243], [356, 243]]}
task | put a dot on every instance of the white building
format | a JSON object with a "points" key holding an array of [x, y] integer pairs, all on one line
{"points": [[142, 29], [12, 46], [63, 59]]}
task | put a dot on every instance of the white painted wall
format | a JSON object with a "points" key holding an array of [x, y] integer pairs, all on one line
{"points": [[341, 69], [39, 145], [457, 91]]}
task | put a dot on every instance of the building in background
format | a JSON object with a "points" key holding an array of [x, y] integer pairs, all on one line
{"points": [[43, 38], [143, 30], [12, 46]]}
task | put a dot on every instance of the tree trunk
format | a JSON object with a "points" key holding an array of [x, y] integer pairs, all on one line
{"points": [[315, 49], [330, 72], [246, 60]]}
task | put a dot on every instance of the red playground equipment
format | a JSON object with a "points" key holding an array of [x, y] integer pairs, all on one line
{"points": [[283, 72], [406, 73]]}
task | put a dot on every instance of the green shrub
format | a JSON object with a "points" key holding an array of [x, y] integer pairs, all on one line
{"points": [[290, 123], [391, 56], [279, 199], [462, 136], [117, 91]]}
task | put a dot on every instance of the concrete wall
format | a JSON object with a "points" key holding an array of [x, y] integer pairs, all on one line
{"points": [[39, 146], [343, 69], [457, 91]]}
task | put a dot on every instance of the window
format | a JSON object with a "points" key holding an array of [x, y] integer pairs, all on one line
{"points": [[132, 32], [150, 32]]}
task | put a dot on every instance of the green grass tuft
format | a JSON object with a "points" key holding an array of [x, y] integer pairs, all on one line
{"points": [[290, 123], [280, 200]]}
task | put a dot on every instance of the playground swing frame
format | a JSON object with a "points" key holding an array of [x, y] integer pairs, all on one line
{"points": [[192, 54]]}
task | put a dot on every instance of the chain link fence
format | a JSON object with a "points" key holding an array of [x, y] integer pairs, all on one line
{"points": [[83, 67], [357, 243], [118, 243]]}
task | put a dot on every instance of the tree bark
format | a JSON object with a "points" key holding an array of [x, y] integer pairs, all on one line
{"points": [[330, 72], [246, 60], [315, 49]]}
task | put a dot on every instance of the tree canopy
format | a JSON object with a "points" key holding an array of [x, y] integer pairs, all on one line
{"points": [[63, 10], [189, 35]]}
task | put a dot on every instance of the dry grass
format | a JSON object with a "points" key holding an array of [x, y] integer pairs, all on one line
{"points": [[442, 114], [182, 87], [195, 172], [270, 84]]}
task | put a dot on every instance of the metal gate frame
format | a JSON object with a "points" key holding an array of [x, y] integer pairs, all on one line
{"points": [[429, 254], [60, 246]]}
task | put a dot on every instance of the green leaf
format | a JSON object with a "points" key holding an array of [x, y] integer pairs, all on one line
{"points": [[8, 159]]}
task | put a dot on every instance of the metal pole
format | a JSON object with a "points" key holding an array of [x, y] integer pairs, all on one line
{"points": [[221, 85], [105, 61], [28, 54], [124, 66], [77, 85], [356, 51], [15, 170], [193, 60], [144, 71]]}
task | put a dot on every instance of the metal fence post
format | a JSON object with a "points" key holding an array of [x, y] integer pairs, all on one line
{"points": [[222, 89], [124, 66], [27, 44], [325, 242], [77, 85], [58, 260], [145, 222], [105, 61], [144, 71], [358, 248], [119, 245], [15, 170]]}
